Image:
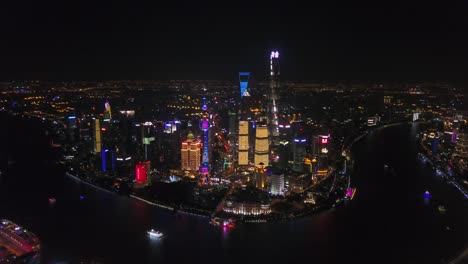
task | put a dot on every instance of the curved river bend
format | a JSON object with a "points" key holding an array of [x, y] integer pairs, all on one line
{"points": [[389, 221]]}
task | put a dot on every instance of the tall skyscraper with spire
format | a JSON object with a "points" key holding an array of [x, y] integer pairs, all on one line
{"points": [[205, 127], [273, 98], [244, 83]]}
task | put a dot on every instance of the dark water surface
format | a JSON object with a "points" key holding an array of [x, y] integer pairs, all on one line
{"points": [[389, 221]]}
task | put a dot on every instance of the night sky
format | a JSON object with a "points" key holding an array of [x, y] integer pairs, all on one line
{"points": [[198, 40]]}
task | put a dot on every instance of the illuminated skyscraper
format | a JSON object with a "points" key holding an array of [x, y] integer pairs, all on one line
{"points": [[272, 97], [299, 152], [233, 126], [277, 184], [148, 137], [244, 83], [107, 111], [261, 146], [461, 147], [191, 154], [243, 158], [140, 173], [320, 145], [108, 160], [205, 127], [97, 136], [72, 128]]}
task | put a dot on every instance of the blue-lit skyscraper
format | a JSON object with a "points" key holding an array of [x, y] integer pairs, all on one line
{"points": [[244, 83], [108, 160]]}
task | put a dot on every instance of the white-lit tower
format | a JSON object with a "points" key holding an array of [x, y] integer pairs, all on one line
{"points": [[273, 97]]}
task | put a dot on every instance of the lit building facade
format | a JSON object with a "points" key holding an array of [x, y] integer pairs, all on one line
{"points": [[191, 154], [283, 154], [320, 145], [277, 184], [461, 151], [299, 152], [205, 127], [244, 83], [322, 165], [388, 99], [233, 126], [108, 160], [148, 133], [107, 111], [140, 173], [260, 179], [97, 136], [245, 208], [261, 146], [273, 97], [243, 157]]}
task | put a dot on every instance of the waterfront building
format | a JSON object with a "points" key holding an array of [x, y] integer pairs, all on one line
{"points": [[142, 171], [247, 208], [248, 201], [18, 245]]}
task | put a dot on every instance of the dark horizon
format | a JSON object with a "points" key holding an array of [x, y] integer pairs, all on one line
{"points": [[190, 41]]}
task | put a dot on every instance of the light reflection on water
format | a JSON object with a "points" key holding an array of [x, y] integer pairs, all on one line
{"points": [[385, 212]]}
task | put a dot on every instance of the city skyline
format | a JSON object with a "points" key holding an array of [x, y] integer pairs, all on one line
{"points": [[246, 133]]}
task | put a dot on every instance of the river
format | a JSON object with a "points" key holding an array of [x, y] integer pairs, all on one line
{"points": [[389, 221]]}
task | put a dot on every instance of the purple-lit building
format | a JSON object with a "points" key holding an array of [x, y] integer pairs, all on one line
{"points": [[205, 127]]}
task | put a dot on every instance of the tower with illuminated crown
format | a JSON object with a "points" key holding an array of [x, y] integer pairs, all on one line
{"points": [[272, 98], [244, 83], [107, 111], [205, 127]]}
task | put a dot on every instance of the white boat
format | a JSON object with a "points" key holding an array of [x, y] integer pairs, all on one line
{"points": [[442, 209], [154, 233]]}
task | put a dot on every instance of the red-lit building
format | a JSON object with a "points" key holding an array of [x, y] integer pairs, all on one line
{"points": [[141, 172]]}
